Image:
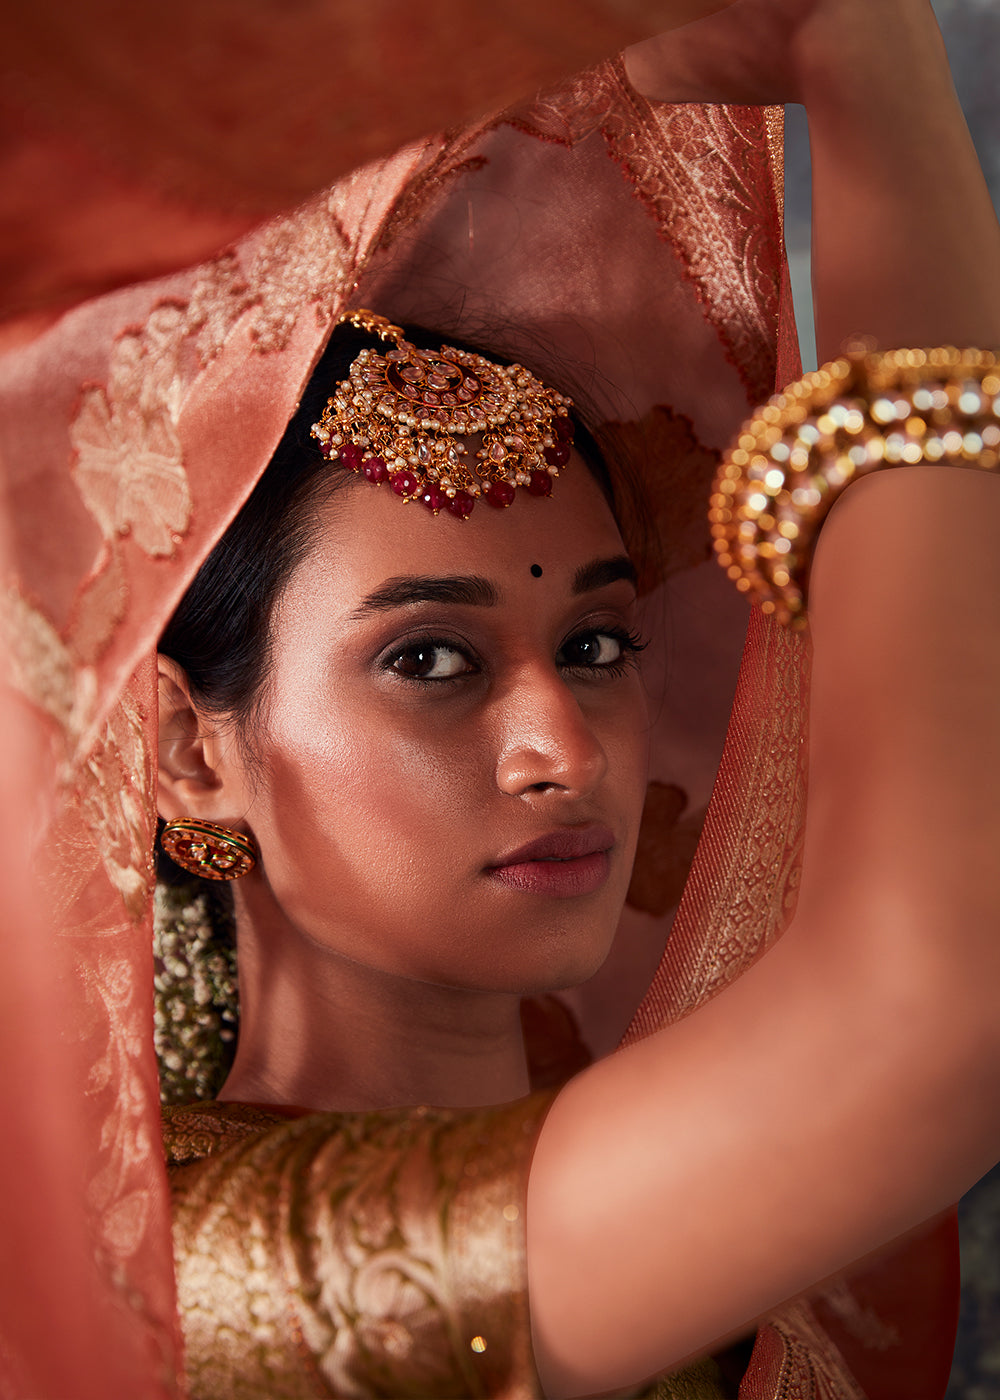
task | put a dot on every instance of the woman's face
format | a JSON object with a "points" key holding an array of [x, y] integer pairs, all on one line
{"points": [[452, 751]]}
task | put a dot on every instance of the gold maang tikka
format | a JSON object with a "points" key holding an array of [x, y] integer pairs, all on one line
{"points": [[403, 417]]}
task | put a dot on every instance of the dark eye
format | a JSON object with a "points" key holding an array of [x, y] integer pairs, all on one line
{"points": [[592, 649], [431, 661], [610, 651]]}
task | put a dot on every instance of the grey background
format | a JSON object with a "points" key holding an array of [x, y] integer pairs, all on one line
{"points": [[971, 30]]}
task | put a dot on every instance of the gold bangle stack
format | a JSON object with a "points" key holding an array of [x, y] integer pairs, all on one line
{"points": [[861, 413]]}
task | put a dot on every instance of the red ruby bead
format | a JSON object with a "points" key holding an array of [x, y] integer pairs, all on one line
{"points": [[404, 483], [499, 494], [351, 455], [557, 454], [461, 504], [540, 484], [375, 470], [563, 429], [434, 498]]}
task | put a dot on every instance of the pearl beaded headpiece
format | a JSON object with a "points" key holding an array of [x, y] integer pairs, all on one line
{"points": [[402, 417]]}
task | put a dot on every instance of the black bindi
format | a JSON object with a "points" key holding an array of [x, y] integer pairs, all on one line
{"points": [[536, 571]]}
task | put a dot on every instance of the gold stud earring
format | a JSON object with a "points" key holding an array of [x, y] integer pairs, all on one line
{"points": [[205, 849]]}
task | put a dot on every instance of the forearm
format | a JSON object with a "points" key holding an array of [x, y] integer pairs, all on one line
{"points": [[906, 241], [845, 1088], [904, 740]]}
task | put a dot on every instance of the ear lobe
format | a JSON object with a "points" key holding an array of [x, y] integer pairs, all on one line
{"points": [[188, 780]]}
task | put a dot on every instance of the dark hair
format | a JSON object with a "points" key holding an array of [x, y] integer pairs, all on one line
{"points": [[219, 631]]}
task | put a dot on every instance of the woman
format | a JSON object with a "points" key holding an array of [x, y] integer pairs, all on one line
{"points": [[718, 1057]]}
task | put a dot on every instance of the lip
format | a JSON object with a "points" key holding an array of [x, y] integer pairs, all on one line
{"points": [[564, 863]]}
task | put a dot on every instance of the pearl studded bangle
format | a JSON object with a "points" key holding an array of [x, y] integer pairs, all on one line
{"points": [[861, 413]]}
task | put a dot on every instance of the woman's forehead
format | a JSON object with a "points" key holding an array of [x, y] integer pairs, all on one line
{"points": [[367, 535]]}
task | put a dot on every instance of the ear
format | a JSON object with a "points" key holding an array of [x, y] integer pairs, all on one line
{"points": [[194, 777]]}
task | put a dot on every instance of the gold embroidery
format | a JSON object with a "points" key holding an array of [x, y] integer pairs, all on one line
{"points": [[114, 799], [399, 1258], [129, 471], [742, 888], [755, 896], [303, 260], [118, 1189], [40, 666], [104, 819], [194, 1131], [100, 605], [812, 1368], [219, 297], [701, 1381]]}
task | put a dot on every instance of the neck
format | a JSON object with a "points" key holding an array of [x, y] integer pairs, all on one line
{"points": [[319, 1031]]}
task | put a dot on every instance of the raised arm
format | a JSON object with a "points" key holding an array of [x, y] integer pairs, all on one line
{"points": [[846, 1087], [906, 241]]}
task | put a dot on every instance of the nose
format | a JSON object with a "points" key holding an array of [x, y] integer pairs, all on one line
{"points": [[547, 742]]}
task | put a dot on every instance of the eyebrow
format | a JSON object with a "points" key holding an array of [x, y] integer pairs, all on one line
{"points": [[471, 590], [602, 572], [407, 589]]}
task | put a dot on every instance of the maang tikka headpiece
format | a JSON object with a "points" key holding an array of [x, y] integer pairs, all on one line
{"points": [[402, 417]]}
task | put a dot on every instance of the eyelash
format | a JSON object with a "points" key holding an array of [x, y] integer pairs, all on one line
{"points": [[629, 641]]}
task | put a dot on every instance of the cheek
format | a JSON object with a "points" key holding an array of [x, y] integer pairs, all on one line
{"points": [[359, 814], [374, 825]]}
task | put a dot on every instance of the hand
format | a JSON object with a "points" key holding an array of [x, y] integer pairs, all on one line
{"points": [[775, 51], [906, 246]]}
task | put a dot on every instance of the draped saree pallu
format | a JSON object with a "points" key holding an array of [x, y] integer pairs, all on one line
{"points": [[632, 253]]}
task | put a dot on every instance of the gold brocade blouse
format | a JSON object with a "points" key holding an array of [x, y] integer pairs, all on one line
{"points": [[359, 1255]]}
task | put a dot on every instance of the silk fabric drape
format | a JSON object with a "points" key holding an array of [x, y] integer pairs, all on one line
{"points": [[631, 251]]}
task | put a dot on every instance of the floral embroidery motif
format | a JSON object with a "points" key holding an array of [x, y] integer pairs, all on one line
{"points": [[100, 605], [41, 666], [119, 1190], [220, 296], [129, 473], [105, 822], [115, 798], [129, 467], [304, 259], [107, 795]]}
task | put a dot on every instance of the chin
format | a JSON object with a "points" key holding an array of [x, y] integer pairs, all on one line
{"points": [[567, 967]]}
